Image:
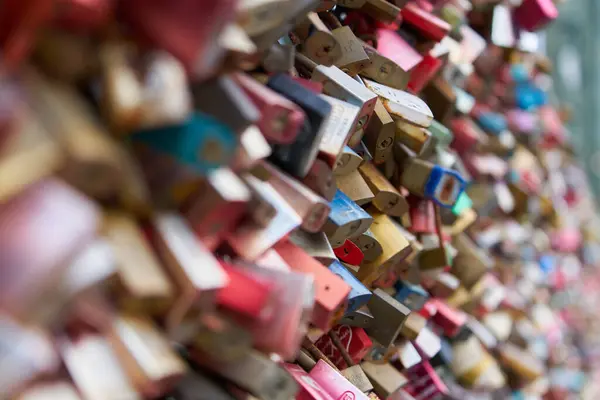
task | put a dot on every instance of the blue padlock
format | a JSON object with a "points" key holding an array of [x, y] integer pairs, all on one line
{"points": [[412, 296], [444, 186], [346, 219], [493, 123], [201, 143], [359, 294]]}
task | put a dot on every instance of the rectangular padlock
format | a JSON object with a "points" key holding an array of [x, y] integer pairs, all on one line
{"points": [[335, 383], [346, 220], [220, 203], [358, 378], [428, 343], [348, 161], [88, 355], [406, 356], [331, 290], [412, 296], [424, 72], [180, 252], [338, 84], [319, 44], [432, 181], [315, 244], [216, 335], [532, 15], [309, 388], [413, 326], [195, 386], [355, 340], [173, 28], [259, 16], [147, 357], [279, 58], [471, 263], [392, 46], [429, 25], [140, 282], [395, 247], [321, 180], [251, 240], [380, 134], [255, 373], [28, 354], [291, 310], [355, 187], [30, 155], [337, 129], [30, 275], [223, 99], [402, 105], [387, 199], [425, 383], [245, 295], [354, 59], [384, 70], [414, 137], [440, 96], [359, 294], [389, 317], [280, 119], [50, 390], [444, 285], [312, 208], [201, 143], [298, 157], [381, 10], [385, 378]]}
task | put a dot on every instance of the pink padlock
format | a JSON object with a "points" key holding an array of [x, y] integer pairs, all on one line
{"points": [[533, 15], [309, 388], [335, 383]]}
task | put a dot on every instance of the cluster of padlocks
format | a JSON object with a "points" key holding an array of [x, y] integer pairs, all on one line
{"points": [[290, 199]]}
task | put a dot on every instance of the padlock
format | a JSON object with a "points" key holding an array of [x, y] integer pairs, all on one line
{"points": [[251, 240], [389, 317], [360, 318], [315, 244], [428, 24], [280, 119], [217, 207], [415, 138], [346, 220], [349, 253], [259, 16], [359, 294], [387, 199], [533, 15], [384, 70], [168, 26], [424, 382], [406, 355], [402, 105], [347, 162], [321, 180], [354, 339], [217, 335], [331, 290], [244, 294], [140, 283], [368, 244], [395, 247], [33, 274], [255, 373], [86, 356], [471, 263], [337, 129], [335, 383], [310, 207], [146, 355], [381, 10], [179, 250], [380, 133], [319, 44], [432, 181], [442, 98], [411, 296], [279, 58], [297, 158], [355, 187], [352, 372], [309, 388], [354, 59], [424, 72], [338, 84], [386, 379]]}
